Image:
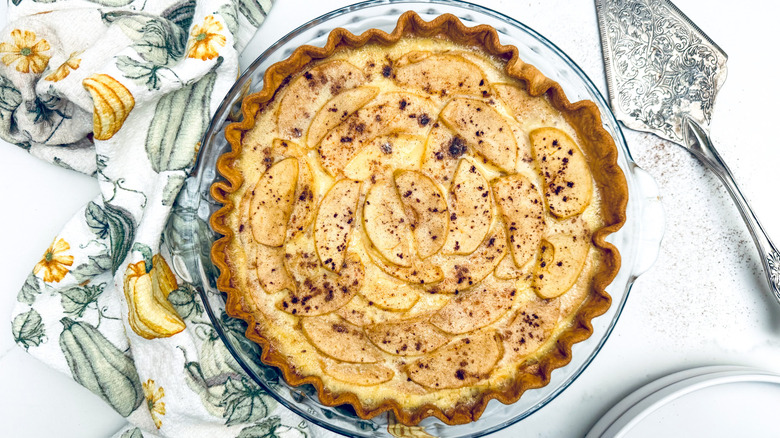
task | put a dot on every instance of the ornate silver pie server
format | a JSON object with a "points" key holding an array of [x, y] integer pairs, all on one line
{"points": [[663, 74]]}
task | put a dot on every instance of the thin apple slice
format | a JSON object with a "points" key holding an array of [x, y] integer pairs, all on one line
{"points": [[441, 74], [532, 326], [272, 201], [463, 362], [313, 89], [521, 206], [385, 223], [484, 130], [361, 374], [409, 58], [300, 256], [407, 338], [443, 150], [477, 307], [420, 272], [384, 154], [387, 292], [463, 272], [340, 339], [269, 154], [470, 210], [358, 312], [531, 112], [244, 231], [335, 220], [568, 182], [361, 312], [303, 208], [267, 262], [561, 259], [580, 290], [426, 211], [271, 272], [322, 291], [336, 110], [395, 112], [282, 148]]}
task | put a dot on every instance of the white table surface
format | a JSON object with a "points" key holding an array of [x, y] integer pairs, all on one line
{"points": [[703, 303]]}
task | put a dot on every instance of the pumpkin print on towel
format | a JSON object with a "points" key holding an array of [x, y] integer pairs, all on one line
{"points": [[150, 314], [126, 57], [180, 119], [101, 367], [112, 103]]}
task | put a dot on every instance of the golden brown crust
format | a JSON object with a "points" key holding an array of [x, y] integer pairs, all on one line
{"points": [[602, 158]]}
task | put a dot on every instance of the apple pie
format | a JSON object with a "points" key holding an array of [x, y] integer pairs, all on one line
{"points": [[414, 222]]}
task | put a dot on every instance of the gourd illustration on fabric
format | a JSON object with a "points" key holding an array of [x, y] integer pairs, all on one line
{"points": [[101, 367], [146, 288]]}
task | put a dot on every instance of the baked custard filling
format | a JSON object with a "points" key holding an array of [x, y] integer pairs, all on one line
{"points": [[412, 225]]}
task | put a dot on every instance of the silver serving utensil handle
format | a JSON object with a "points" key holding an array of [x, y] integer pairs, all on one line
{"points": [[699, 144]]}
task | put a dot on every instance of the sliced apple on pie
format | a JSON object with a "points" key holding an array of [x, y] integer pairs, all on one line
{"points": [[426, 210], [561, 259], [271, 272], [272, 202], [484, 129], [568, 182], [521, 206], [313, 89], [420, 272], [336, 110], [385, 223], [384, 154], [476, 307], [530, 111], [443, 150], [462, 272], [339, 339], [460, 363], [334, 223], [363, 374], [531, 327], [388, 292], [321, 291], [406, 338], [471, 212], [396, 112], [441, 74]]}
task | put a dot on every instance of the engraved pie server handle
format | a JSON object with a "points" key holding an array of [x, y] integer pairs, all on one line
{"points": [[699, 144]]}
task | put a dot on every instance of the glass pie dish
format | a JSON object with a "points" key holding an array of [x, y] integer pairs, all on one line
{"points": [[189, 238]]}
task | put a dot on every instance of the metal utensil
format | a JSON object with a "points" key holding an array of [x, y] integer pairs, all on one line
{"points": [[663, 74]]}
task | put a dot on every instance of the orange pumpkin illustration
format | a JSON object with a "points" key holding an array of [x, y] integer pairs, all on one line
{"points": [[112, 103], [150, 313]]}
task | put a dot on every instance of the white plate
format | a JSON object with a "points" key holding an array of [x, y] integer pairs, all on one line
{"points": [[721, 401]]}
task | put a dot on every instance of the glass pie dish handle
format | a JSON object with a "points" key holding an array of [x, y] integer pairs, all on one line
{"points": [[649, 213]]}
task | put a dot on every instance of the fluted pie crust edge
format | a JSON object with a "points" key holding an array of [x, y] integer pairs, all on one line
{"points": [[601, 154]]}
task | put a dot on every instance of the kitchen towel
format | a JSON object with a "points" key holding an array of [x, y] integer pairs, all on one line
{"points": [[123, 90]]}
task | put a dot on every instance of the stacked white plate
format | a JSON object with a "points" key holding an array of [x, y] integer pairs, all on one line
{"points": [[717, 401]]}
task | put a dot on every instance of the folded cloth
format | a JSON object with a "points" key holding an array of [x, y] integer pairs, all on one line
{"points": [[123, 90]]}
